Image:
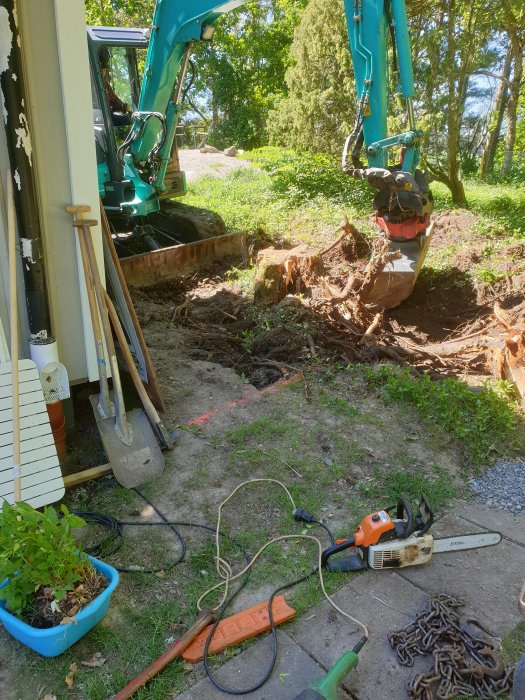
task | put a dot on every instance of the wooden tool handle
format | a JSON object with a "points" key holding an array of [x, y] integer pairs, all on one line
{"points": [[128, 357], [204, 618], [13, 304]]}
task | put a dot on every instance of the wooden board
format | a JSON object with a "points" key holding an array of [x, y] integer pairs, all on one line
{"points": [[119, 293], [42, 481]]}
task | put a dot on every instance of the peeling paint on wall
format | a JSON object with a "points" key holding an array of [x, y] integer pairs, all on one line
{"points": [[6, 45], [23, 137], [18, 180], [27, 249], [40, 336]]}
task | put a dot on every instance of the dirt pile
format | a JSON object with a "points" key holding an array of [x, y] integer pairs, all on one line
{"points": [[446, 327]]}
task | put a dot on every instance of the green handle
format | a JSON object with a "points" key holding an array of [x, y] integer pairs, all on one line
{"points": [[327, 686]]}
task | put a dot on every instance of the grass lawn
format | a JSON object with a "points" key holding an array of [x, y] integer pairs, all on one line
{"points": [[368, 436]]}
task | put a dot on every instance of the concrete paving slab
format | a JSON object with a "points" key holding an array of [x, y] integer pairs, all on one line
{"points": [[293, 672], [490, 578], [384, 602], [511, 526]]}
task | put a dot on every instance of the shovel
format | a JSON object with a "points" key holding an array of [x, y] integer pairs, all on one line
{"points": [[128, 438]]}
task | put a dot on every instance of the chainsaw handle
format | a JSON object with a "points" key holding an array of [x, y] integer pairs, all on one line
{"points": [[405, 516], [335, 549]]}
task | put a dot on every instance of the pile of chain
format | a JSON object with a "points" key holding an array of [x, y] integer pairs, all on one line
{"points": [[464, 664]]}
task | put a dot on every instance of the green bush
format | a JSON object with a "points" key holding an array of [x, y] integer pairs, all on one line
{"points": [[300, 177], [483, 422], [38, 549]]}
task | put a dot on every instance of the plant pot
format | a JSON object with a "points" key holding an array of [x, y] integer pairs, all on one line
{"points": [[55, 640]]}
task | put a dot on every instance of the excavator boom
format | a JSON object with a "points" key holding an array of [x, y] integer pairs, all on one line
{"points": [[139, 171]]}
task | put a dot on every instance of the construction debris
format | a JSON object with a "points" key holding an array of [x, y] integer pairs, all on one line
{"points": [[509, 357], [313, 303]]}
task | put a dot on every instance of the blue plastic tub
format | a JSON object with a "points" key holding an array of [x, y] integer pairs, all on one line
{"points": [[55, 640]]}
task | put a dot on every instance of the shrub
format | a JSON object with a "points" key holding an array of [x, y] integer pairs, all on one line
{"points": [[482, 422], [38, 549], [297, 177]]}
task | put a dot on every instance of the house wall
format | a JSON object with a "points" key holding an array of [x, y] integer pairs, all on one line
{"points": [[54, 49]]}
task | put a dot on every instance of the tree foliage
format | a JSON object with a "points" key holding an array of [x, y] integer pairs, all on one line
{"points": [[241, 72], [318, 112], [281, 71], [116, 13]]}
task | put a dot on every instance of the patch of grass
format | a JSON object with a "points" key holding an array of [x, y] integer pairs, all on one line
{"points": [[484, 423], [287, 195], [264, 428], [245, 277], [337, 405], [502, 208], [411, 482], [514, 644]]}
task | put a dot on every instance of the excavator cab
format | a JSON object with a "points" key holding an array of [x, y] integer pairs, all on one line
{"points": [[117, 58]]}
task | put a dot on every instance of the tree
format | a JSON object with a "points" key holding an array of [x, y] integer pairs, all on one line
{"points": [[451, 44], [486, 165], [241, 73], [514, 21], [115, 13], [318, 112]]}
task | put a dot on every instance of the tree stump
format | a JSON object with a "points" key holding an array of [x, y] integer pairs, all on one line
{"points": [[282, 272]]}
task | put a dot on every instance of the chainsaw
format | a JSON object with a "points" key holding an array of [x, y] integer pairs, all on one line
{"points": [[383, 540]]}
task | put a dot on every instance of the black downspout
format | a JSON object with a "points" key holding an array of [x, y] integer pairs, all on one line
{"points": [[14, 104]]}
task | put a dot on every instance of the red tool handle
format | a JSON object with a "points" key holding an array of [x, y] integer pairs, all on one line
{"points": [[204, 618]]}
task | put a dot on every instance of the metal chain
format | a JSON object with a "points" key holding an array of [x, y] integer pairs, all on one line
{"points": [[464, 664]]}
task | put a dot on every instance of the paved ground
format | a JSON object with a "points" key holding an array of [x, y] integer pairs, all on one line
{"points": [[194, 164], [490, 579]]}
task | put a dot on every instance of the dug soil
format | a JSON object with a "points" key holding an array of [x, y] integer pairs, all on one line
{"points": [[207, 316]]}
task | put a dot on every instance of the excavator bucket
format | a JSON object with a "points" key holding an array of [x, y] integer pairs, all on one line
{"points": [[396, 282]]}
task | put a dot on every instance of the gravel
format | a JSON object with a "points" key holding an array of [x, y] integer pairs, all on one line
{"points": [[503, 486]]}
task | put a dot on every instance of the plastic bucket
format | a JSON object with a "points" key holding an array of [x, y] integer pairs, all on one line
{"points": [[58, 426], [55, 640]]}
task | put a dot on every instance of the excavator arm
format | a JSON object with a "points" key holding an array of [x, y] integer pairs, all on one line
{"points": [[147, 151], [403, 202]]}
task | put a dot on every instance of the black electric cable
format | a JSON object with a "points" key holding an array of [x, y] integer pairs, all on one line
{"points": [[327, 529], [114, 536], [298, 515], [113, 540], [273, 629]]}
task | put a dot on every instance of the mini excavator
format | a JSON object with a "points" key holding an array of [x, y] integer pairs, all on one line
{"points": [[138, 167]]}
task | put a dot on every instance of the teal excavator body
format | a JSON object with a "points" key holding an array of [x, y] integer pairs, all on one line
{"points": [[137, 157]]}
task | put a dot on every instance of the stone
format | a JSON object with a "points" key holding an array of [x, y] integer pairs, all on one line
{"points": [[191, 223], [512, 526], [384, 602], [231, 151], [489, 578], [292, 674], [209, 149]]}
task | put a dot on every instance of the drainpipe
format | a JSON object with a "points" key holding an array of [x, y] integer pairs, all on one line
{"points": [[13, 104]]}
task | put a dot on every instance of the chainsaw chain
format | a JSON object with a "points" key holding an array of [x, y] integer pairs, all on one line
{"points": [[464, 664]]}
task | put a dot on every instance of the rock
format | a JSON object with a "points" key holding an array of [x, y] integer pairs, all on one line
{"points": [[209, 149], [191, 223], [231, 151]]}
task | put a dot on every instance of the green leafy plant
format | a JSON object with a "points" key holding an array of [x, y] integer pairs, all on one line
{"points": [[485, 422], [38, 549]]}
